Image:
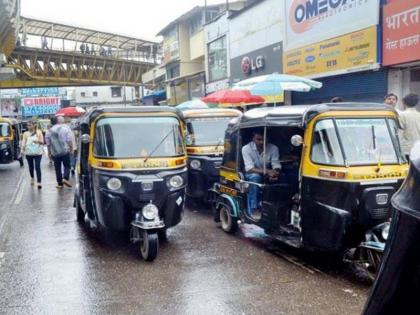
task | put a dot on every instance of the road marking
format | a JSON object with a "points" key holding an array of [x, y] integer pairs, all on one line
{"points": [[12, 200], [19, 195]]}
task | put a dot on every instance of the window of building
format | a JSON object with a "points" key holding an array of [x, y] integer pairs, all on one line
{"points": [[217, 59], [83, 94], [116, 91], [173, 72], [211, 15], [196, 25], [95, 94]]}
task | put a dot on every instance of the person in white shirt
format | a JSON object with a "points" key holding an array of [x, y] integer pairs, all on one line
{"points": [[410, 123], [259, 163]]}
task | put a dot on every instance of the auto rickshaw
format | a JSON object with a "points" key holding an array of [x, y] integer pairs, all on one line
{"points": [[398, 283], [10, 138], [340, 166], [131, 172], [204, 141]]}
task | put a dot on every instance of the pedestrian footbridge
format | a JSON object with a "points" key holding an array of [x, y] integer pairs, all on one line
{"points": [[43, 53]]}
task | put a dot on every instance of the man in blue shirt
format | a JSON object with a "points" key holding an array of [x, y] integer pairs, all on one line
{"points": [[259, 163]]}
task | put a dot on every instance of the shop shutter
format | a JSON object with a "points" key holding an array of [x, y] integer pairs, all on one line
{"points": [[368, 86]]}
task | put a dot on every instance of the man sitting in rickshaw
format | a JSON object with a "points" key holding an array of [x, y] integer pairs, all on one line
{"points": [[253, 156]]}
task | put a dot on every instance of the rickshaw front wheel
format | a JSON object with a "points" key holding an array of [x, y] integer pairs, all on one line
{"points": [[149, 245], [79, 212], [20, 161], [229, 224]]}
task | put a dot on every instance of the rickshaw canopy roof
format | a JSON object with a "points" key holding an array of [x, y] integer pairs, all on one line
{"points": [[209, 112], [300, 115], [93, 113]]}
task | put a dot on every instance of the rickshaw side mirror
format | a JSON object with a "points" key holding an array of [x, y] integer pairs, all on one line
{"points": [[296, 140], [85, 138]]}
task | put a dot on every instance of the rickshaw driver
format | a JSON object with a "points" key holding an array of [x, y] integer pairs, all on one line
{"points": [[253, 156]]}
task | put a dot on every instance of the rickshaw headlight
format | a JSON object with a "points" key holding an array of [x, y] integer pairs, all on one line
{"points": [[113, 183], [176, 181], [195, 164], [150, 211]]}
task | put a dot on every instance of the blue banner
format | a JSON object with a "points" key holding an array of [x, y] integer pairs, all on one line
{"points": [[36, 106], [48, 91]]}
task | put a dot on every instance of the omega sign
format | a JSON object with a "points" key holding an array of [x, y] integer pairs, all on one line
{"points": [[249, 65]]}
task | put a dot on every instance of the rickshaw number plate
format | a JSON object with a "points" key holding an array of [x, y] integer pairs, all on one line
{"points": [[382, 199]]}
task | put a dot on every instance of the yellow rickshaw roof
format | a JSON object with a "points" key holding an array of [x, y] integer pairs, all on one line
{"points": [[210, 112]]}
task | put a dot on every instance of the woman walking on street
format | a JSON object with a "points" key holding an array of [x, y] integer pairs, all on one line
{"points": [[32, 147]]}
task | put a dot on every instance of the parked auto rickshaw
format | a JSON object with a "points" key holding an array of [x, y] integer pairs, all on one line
{"points": [[340, 166], [10, 137], [131, 172], [204, 142], [397, 286]]}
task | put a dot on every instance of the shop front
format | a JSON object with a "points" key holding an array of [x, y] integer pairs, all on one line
{"points": [[401, 46], [329, 45]]}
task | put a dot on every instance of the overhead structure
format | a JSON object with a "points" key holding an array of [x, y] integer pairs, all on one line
{"points": [[9, 25], [38, 67], [31, 26], [124, 63]]}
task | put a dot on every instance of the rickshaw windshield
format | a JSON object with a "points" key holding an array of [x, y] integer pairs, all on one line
{"points": [[4, 130], [137, 137], [355, 141], [207, 131]]}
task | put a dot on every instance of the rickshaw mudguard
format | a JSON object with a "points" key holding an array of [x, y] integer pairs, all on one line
{"points": [[112, 212], [323, 226], [197, 184], [230, 202]]}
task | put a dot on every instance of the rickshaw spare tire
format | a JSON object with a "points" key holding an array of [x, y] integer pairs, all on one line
{"points": [[149, 245], [228, 223]]}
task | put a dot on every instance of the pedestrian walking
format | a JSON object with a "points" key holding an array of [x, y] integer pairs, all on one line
{"points": [[73, 155], [82, 48], [87, 49], [92, 49], [391, 99], [60, 145], [44, 43], [410, 123], [32, 147]]}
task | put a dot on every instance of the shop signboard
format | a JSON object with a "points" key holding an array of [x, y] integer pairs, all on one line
{"points": [[47, 91], [401, 32], [266, 60], [170, 46], [35, 106], [312, 21], [356, 51]]}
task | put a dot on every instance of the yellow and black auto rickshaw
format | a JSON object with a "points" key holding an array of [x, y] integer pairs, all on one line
{"points": [[204, 141], [132, 172], [340, 166], [10, 138]]}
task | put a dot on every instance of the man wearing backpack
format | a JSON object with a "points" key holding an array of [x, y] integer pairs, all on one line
{"points": [[59, 140]]}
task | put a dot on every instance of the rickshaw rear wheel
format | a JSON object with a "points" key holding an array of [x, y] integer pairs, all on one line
{"points": [[149, 245], [228, 223]]}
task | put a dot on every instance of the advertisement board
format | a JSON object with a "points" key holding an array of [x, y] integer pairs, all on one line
{"points": [[348, 53], [35, 106], [312, 21], [401, 32], [170, 46], [8, 107], [47, 91]]}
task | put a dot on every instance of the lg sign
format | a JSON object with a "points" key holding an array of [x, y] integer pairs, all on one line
{"points": [[304, 14], [248, 65]]}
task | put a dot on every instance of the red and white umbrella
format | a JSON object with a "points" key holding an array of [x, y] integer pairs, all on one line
{"points": [[74, 111]]}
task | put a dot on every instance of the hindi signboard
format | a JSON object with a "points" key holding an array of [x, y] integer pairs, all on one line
{"points": [[348, 53], [401, 32], [35, 106]]}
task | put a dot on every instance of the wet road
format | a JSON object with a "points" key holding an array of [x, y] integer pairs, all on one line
{"points": [[49, 264]]}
